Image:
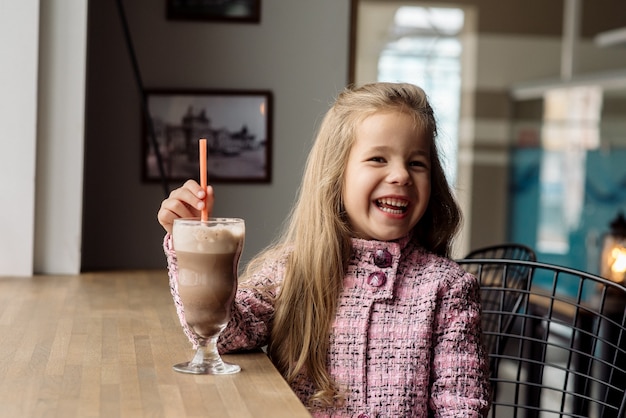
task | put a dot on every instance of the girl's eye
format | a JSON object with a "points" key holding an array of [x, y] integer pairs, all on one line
{"points": [[377, 159], [417, 164]]}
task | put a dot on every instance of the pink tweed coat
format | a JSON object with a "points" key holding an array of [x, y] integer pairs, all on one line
{"points": [[406, 341]]}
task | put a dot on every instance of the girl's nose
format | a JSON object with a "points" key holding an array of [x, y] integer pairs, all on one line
{"points": [[399, 174]]}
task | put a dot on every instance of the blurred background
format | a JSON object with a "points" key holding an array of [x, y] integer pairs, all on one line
{"points": [[530, 96]]}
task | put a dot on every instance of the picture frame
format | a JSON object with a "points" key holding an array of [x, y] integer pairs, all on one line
{"points": [[235, 11], [236, 123]]}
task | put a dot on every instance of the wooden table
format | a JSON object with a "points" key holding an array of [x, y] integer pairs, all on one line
{"points": [[103, 345]]}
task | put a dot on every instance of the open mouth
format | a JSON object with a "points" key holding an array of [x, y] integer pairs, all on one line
{"points": [[392, 206]]}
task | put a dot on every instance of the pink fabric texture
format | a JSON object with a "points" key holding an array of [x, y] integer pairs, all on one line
{"points": [[406, 341]]}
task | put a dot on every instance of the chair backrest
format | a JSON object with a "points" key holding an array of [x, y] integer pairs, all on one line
{"points": [[509, 251], [500, 287], [566, 351]]}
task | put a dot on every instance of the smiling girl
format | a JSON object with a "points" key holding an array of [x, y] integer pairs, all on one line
{"points": [[358, 303]]}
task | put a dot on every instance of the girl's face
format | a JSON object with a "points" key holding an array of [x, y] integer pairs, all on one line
{"points": [[387, 179]]}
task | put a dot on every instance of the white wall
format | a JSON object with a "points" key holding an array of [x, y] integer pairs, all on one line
{"points": [[42, 92], [19, 20], [60, 136]]}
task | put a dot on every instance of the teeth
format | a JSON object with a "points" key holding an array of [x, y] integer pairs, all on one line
{"points": [[393, 202], [390, 205], [389, 210]]}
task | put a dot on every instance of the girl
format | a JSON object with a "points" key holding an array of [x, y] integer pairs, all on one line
{"points": [[359, 305]]}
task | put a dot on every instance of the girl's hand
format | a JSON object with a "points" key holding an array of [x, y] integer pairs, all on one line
{"points": [[185, 202]]}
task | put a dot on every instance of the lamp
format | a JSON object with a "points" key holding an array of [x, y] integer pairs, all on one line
{"points": [[613, 257]]}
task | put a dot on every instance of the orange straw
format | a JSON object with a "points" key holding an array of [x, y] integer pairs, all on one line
{"points": [[203, 178]]}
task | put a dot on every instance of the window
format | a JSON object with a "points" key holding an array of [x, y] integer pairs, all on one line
{"points": [[423, 48], [570, 129]]}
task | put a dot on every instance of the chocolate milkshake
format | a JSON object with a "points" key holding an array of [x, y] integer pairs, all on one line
{"points": [[208, 254]]}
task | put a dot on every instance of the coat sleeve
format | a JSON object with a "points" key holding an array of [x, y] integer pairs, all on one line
{"points": [[460, 368], [252, 312]]}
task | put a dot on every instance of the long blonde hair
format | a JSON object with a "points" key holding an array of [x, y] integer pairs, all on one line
{"points": [[318, 234]]}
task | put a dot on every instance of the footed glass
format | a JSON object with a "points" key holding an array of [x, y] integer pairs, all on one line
{"points": [[207, 255]]}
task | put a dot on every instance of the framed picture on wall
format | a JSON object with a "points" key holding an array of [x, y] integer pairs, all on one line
{"points": [[237, 125], [215, 10]]}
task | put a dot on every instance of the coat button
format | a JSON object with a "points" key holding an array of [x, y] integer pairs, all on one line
{"points": [[377, 279], [382, 258]]}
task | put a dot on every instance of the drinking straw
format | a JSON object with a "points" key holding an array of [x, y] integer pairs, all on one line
{"points": [[203, 178]]}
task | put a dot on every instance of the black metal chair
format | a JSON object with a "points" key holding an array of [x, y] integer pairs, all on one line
{"points": [[500, 289], [509, 251], [566, 352]]}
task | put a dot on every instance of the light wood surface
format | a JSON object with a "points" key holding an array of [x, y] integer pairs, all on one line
{"points": [[103, 345]]}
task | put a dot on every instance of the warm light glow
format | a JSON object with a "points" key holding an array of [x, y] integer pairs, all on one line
{"points": [[613, 259], [618, 254]]}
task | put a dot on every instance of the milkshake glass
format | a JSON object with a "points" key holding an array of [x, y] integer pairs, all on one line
{"points": [[207, 255]]}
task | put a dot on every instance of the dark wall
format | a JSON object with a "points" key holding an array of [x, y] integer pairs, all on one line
{"points": [[298, 51]]}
